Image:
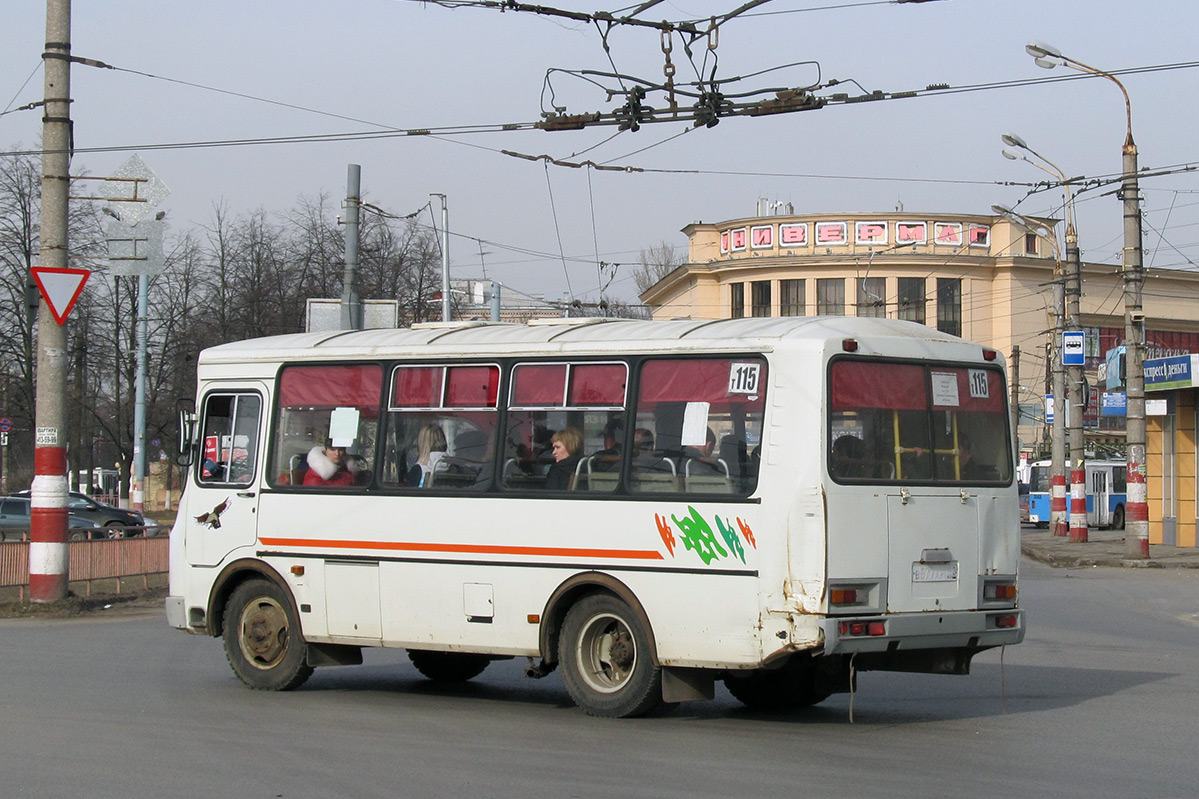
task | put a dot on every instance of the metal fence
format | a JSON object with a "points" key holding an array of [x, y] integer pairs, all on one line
{"points": [[120, 559]]}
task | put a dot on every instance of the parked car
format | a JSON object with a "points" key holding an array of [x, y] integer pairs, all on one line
{"points": [[120, 522], [14, 522]]}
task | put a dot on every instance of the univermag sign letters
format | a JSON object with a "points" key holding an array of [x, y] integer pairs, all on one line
{"points": [[863, 232]]}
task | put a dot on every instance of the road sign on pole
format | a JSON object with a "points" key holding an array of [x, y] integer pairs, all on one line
{"points": [[60, 287], [1074, 348]]}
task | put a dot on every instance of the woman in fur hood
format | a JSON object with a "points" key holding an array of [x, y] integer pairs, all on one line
{"points": [[331, 466]]}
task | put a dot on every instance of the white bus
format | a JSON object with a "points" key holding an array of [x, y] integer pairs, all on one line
{"points": [[775, 503]]}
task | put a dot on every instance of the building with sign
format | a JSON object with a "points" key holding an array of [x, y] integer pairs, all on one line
{"points": [[1171, 410], [984, 277]]}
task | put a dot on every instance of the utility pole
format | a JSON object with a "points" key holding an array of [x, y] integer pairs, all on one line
{"points": [[1136, 539], [1057, 499], [1077, 391], [351, 300], [48, 553], [1014, 388], [445, 257]]}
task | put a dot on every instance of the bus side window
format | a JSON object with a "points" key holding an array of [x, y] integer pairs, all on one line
{"points": [[230, 439]]}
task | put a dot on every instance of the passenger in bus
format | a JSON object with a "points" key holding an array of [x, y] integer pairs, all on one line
{"points": [[848, 457], [645, 457], [970, 468], [608, 458], [331, 466], [567, 445], [431, 448], [701, 461]]}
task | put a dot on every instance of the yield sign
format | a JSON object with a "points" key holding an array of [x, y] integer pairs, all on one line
{"points": [[60, 288]]}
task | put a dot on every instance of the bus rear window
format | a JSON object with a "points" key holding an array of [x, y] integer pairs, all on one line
{"points": [[917, 423]]}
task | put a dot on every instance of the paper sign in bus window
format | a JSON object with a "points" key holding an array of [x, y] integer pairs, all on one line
{"points": [[343, 426], [695, 424], [743, 378], [945, 389]]}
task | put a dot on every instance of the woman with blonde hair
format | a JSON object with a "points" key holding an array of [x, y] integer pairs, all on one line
{"points": [[567, 446], [431, 447]]}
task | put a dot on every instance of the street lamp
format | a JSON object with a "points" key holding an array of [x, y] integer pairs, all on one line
{"points": [[1136, 543], [1057, 471], [1070, 311]]}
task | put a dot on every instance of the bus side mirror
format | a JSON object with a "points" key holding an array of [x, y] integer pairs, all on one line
{"points": [[187, 433]]}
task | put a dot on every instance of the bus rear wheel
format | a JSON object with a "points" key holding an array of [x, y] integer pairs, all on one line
{"points": [[789, 687], [262, 638], [448, 666], [605, 655], [1118, 518]]}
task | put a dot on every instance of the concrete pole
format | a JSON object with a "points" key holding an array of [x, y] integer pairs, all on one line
{"points": [[48, 553], [1077, 387], [351, 300], [1136, 538], [1057, 472], [495, 301], [137, 498], [446, 313], [1014, 388]]}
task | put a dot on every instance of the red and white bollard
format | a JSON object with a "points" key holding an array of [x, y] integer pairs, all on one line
{"points": [[1057, 504], [48, 559], [1136, 508], [1078, 506]]}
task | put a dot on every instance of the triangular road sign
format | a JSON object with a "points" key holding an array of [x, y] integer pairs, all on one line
{"points": [[60, 288]]}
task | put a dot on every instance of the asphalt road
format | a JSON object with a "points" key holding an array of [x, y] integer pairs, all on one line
{"points": [[1101, 700]]}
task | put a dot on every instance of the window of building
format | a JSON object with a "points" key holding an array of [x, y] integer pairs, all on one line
{"points": [[911, 299], [830, 296], [792, 298], [326, 425], [949, 305], [1030, 243], [872, 294], [736, 300], [760, 297]]}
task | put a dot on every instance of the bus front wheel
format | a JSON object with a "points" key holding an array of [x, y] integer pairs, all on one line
{"points": [[262, 638], [605, 656]]}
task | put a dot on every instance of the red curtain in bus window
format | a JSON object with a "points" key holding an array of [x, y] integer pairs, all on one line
{"points": [[601, 384], [973, 390], [698, 380], [472, 386], [417, 387], [539, 385], [331, 386], [871, 384]]}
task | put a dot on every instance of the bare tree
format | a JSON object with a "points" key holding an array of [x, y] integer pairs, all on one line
{"points": [[656, 263]]}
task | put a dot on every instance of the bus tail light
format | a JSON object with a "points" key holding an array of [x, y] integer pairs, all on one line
{"points": [[994, 592], [843, 596], [850, 628], [849, 345], [989, 355]]}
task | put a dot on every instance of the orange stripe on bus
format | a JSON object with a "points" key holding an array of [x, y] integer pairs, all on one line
{"points": [[478, 549]]}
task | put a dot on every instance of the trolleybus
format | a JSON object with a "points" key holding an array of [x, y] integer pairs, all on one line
{"points": [[1106, 493], [775, 503]]}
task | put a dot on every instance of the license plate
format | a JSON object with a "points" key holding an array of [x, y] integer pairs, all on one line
{"points": [[934, 572]]}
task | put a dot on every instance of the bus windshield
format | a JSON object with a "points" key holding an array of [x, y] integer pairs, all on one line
{"points": [[906, 422]]}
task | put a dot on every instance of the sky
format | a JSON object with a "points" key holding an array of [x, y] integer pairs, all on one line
{"points": [[230, 70]]}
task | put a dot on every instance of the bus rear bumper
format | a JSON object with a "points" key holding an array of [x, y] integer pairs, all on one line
{"points": [[972, 630]]}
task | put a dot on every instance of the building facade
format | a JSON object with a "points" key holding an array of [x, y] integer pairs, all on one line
{"points": [[983, 277]]}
